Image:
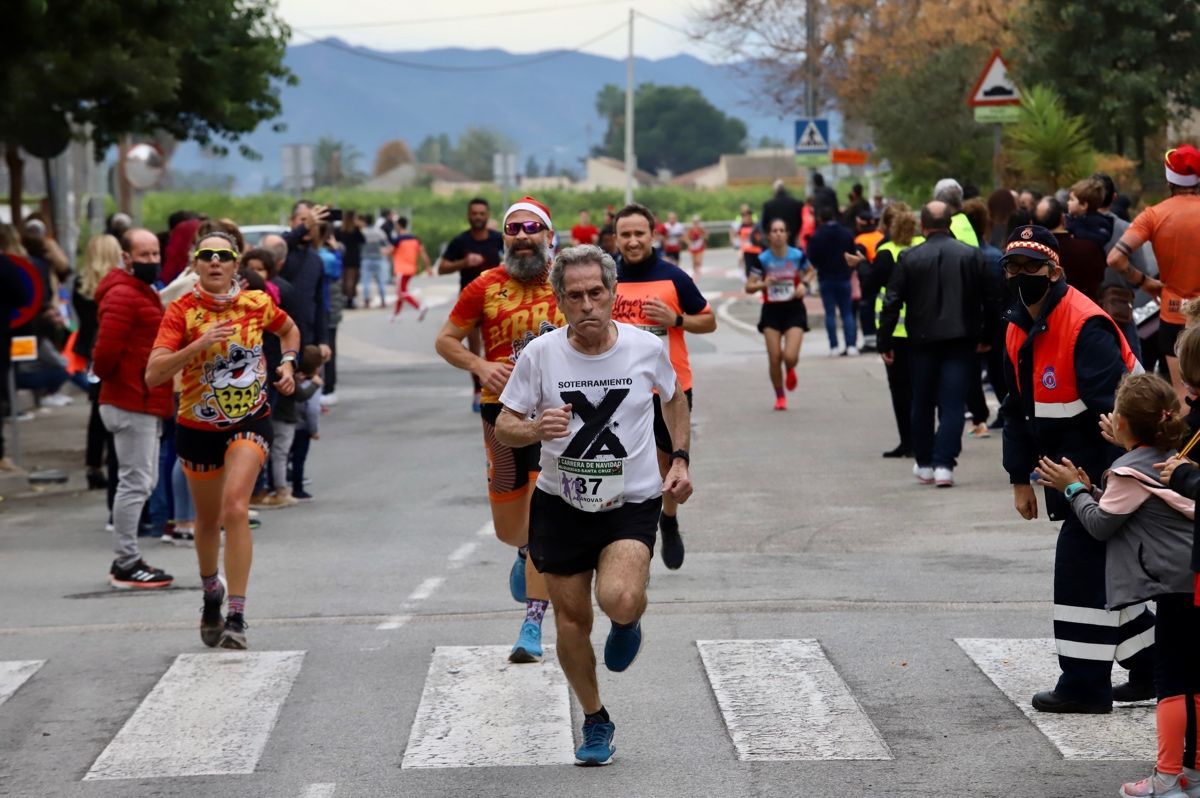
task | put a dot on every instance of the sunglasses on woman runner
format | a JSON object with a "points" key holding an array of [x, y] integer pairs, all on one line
{"points": [[223, 255], [531, 228]]}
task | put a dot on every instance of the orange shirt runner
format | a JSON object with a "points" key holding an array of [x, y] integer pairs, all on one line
{"points": [[228, 384], [1173, 228], [508, 312]]}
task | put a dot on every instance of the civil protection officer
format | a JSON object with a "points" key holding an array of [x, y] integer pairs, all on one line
{"points": [[1064, 360]]}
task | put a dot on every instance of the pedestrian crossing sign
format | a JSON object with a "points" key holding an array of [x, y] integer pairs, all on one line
{"points": [[812, 136]]}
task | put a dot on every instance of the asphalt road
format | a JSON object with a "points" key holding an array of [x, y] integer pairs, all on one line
{"points": [[386, 587]]}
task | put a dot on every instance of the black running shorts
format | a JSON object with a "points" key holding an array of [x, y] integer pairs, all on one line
{"points": [[564, 540], [662, 435], [783, 316], [201, 452], [508, 470]]}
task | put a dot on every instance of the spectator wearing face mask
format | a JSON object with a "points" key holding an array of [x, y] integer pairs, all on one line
{"points": [[129, 313]]}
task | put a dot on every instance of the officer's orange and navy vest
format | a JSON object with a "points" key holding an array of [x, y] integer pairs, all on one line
{"points": [[1055, 394]]}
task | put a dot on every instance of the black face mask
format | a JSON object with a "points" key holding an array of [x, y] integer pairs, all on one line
{"points": [[1029, 288], [147, 272]]}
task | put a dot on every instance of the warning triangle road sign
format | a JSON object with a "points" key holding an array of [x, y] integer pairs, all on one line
{"points": [[994, 86], [812, 135]]}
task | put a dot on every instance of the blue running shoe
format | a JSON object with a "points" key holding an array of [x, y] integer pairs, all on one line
{"points": [[622, 647], [528, 647], [516, 579], [597, 748]]}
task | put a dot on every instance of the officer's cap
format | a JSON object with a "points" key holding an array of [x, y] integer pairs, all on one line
{"points": [[1032, 241]]}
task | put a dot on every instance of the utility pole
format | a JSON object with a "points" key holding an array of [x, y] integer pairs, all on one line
{"points": [[629, 156], [810, 69]]}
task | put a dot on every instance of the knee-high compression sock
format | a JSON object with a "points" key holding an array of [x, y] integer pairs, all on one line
{"points": [[1171, 715], [535, 610]]}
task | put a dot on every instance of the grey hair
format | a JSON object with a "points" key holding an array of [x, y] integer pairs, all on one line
{"points": [[578, 256], [950, 192]]}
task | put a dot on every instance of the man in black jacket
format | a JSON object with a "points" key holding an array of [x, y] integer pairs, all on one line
{"points": [[1065, 358], [306, 273], [941, 283], [783, 206]]}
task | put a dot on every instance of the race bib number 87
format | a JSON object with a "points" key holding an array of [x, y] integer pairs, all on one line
{"points": [[591, 485]]}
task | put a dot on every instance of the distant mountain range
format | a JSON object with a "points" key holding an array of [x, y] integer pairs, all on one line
{"points": [[547, 107]]}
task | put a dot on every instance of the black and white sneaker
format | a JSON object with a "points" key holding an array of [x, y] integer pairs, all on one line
{"points": [[234, 634], [211, 622], [180, 536], [139, 575]]}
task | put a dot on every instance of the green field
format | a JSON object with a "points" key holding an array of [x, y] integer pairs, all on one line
{"points": [[438, 219]]}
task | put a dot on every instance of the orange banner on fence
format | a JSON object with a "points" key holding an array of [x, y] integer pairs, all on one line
{"points": [[851, 157]]}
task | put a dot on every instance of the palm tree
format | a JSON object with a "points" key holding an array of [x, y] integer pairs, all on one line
{"points": [[1050, 146]]}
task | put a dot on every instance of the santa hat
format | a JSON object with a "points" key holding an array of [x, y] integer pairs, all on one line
{"points": [[533, 206], [1183, 165]]}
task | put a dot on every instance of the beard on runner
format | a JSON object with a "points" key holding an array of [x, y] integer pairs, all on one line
{"points": [[527, 262]]}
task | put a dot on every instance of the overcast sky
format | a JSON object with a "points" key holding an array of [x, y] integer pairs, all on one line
{"points": [[411, 25]]}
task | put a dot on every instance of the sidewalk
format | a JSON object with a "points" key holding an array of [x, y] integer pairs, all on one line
{"points": [[53, 438]]}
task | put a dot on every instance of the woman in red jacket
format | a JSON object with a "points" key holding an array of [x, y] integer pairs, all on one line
{"points": [[213, 336]]}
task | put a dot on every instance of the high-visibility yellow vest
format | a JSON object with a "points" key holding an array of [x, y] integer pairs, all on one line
{"points": [[895, 249], [961, 227]]}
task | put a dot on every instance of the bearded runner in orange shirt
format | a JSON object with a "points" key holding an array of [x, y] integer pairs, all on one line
{"points": [[658, 296], [511, 305], [1173, 227]]}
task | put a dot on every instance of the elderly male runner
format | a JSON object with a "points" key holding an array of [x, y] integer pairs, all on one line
{"points": [[586, 392], [511, 305]]}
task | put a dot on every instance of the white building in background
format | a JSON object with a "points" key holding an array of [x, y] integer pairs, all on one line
{"points": [[603, 172]]}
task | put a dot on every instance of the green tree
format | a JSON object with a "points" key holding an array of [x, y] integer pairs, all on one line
{"points": [[205, 70], [1131, 65], [1051, 147], [434, 149], [531, 167], [675, 128], [472, 154], [921, 152], [336, 163]]}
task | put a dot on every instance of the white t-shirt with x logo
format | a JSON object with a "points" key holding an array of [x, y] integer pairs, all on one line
{"points": [[609, 456]]}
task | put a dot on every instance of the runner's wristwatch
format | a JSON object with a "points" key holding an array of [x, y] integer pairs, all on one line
{"points": [[678, 319], [681, 454], [1074, 489]]}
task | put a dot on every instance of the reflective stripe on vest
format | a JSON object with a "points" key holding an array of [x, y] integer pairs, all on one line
{"points": [[1055, 393], [895, 249]]}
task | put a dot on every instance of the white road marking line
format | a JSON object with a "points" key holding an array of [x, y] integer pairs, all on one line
{"points": [[209, 715], [393, 623], [426, 589], [15, 673], [1022, 667], [463, 553], [479, 711], [457, 558], [726, 317], [320, 791], [782, 700]]}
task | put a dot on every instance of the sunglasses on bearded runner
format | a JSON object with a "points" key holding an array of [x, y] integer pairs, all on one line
{"points": [[531, 228], [223, 255]]}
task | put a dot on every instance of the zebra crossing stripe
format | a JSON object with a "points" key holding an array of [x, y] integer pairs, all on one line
{"points": [[1022, 667], [478, 710], [15, 673], [209, 715], [782, 700]]}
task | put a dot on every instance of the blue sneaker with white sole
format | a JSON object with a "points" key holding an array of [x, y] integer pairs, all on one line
{"points": [[528, 647], [516, 579], [622, 646], [597, 748]]}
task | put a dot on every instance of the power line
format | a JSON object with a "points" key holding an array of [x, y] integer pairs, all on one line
{"points": [[462, 17], [371, 56]]}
